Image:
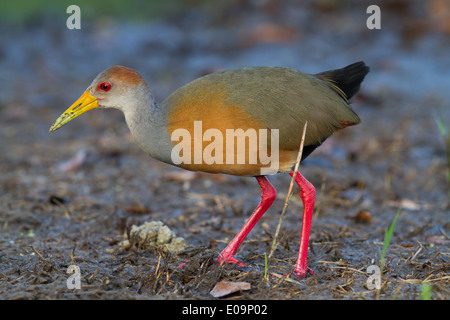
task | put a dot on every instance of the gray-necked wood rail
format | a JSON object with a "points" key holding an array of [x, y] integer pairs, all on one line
{"points": [[263, 107]]}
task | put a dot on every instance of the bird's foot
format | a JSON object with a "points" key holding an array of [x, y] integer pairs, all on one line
{"points": [[302, 272], [224, 259]]}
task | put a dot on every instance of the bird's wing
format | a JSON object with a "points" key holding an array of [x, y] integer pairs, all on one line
{"points": [[268, 97]]}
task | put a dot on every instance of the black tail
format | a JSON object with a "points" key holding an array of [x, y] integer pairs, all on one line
{"points": [[347, 79]]}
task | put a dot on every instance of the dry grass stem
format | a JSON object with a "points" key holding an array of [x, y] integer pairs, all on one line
{"points": [[289, 194]]}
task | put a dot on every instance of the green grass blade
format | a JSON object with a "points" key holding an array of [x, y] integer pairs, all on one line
{"points": [[266, 267], [426, 291], [441, 125], [387, 238]]}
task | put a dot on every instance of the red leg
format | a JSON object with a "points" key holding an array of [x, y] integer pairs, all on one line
{"points": [[268, 196], [308, 195]]}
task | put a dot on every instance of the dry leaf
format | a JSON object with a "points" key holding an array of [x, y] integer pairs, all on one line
{"points": [[363, 216], [73, 163], [137, 209], [438, 240], [410, 205], [224, 288]]}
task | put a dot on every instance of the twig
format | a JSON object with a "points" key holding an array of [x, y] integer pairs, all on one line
{"points": [[284, 278], [38, 254], [59, 203], [17, 279], [424, 281], [289, 194], [349, 269], [416, 253], [72, 256]]}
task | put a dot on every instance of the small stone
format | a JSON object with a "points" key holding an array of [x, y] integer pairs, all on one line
{"points": [[154, 234]]}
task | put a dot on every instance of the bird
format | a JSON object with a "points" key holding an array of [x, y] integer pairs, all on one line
{"points": [[241, 122]]}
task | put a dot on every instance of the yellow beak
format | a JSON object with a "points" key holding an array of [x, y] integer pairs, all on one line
{"points": [[85, 103]]}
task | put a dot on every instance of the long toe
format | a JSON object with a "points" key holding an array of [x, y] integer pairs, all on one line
{"points": [[223, 259], [301, 273]]}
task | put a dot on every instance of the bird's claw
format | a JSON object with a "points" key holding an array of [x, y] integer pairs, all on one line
{"points": [[221, 260], [303, 273]]}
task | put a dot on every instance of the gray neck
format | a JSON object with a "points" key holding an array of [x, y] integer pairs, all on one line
{"points": [[147, 123]]}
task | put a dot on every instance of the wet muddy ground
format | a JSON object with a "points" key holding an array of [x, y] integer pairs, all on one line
{"points": [[71, 198]]}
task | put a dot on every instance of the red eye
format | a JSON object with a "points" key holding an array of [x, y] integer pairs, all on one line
{"points": [[104, 86]]}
